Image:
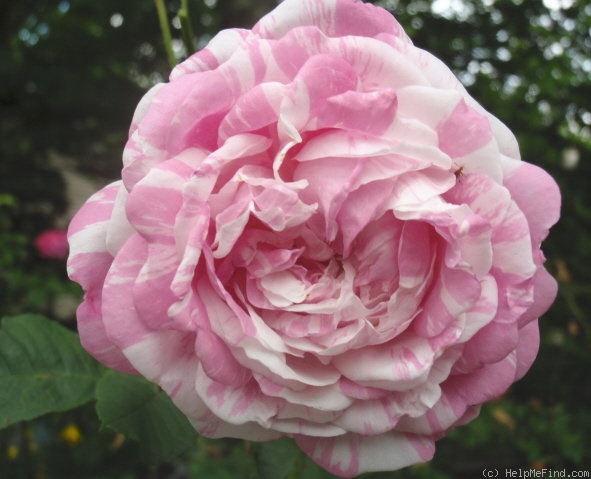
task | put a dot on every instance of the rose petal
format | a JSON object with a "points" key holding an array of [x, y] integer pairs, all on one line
{"points": [[335, 17], [545, 291], [527, 348], [537, 196], [485, 383], [463, 131], [348, 455], [218, 50], [393, 367], [88, 264]]}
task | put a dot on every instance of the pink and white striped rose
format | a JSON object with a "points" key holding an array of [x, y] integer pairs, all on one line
{"points": [[318, 233]]}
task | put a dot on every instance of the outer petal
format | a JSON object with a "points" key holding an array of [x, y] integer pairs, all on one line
{"points": [[545, 290], [451, 410], [463, 131], [537, 195], [352, 454], [122, 323], [335, 17], [529, 343], [218, 50], [238, 406], [88, 264], [486, 383]]}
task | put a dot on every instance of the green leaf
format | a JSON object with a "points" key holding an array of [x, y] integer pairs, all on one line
{"points": [[139, 409], [280, 459], [43, 369]]}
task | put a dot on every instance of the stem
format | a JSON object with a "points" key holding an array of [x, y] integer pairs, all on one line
{"points": [[165, 29], [186, 29]]}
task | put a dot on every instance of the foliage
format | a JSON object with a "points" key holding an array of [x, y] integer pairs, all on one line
{"points": [[140, 410], [26, 284], [43, 369], [72, 72]]}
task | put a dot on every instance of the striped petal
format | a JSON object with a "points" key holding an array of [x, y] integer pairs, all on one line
{"points": [[88, 264], [349, 455]]}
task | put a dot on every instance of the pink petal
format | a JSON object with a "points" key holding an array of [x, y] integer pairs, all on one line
{"points": [[295, 424], [218, 362], [512, 245], [123, 325], [361, 207], [454, 293], [96, 211], [255, 109], [241, 405], [200, 106], [335, 17], [352, 454], [280, 207], [93, 336], [371, 112], [486, 383], [545, 291], [417, 195], [88, 265], [147, 146], [345, 144], [379, 66], [467, 234], [527, 349], [376, 255], [230, 224], [491, 344], [371, 417], [218, 50], [356, 391], [537, 195], [317, 400], [426, 105], [438, 73], [152, 208], [463, 131], [260, 348], [166, 358], [398, 366], [483, 312], [415, 253], [450, 410], [320, 77], [119, 229]]}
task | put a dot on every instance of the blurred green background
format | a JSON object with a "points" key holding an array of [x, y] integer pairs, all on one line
{"points": [[71, 73]]}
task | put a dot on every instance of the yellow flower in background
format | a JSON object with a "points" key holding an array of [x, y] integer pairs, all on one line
{"points": [[71, 434], [12, 452]]}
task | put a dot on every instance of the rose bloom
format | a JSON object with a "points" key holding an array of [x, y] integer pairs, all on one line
{"points": [[318, 234], [52, 243]]}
